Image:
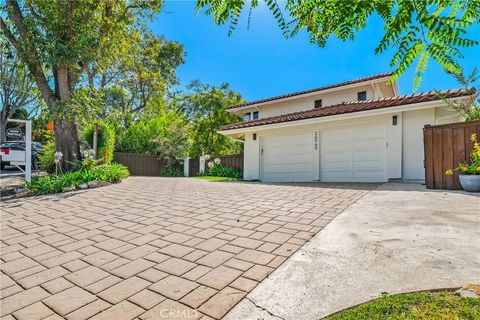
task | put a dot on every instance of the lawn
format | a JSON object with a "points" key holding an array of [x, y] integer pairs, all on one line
{"points": [[420, 305], [212, 178]]}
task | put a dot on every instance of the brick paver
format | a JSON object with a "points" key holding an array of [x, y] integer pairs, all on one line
{"points": [[159, 248]]}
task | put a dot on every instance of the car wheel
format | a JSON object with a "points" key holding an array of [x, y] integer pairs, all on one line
{"points": [[35, 163]]}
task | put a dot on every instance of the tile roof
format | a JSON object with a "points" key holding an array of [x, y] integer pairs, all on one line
{"points": [[346, 83], [350, 107]]}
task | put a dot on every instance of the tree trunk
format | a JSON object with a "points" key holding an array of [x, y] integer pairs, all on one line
{"points": [[3, 123], [66, 141], [66, 132]]}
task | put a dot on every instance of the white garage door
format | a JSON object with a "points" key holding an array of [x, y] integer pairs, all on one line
{"points": [[354, 154], [288, 158]]}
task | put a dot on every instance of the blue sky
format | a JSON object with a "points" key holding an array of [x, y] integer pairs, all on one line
{"points": [[258, 62]]}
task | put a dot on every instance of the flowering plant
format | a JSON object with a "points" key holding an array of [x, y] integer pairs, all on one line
{"points": [[56, 159], [89, 154], [217, 160], [210, 164], [206, 157], [472, 168]]}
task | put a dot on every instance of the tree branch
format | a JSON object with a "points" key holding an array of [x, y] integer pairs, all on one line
{"points": [[29, 54]]}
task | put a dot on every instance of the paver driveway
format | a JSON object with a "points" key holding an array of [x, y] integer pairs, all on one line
{"points": [[155, 248]]}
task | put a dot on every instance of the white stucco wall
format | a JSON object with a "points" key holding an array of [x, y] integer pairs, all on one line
{"points": [[307, 103], [251, 157], [329, 98], [413, 152]]}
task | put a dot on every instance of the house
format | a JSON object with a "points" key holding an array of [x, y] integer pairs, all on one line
{"points": [[356, 131]]}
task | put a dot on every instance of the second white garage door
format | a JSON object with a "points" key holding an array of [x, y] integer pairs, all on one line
{"points": [[354, 154], [288, 157]]}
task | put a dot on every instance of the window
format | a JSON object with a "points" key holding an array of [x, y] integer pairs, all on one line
{"points": [[250, 116], [318, 103], [362, 96]]}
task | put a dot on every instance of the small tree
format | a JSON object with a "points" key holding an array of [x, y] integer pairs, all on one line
{"points": [[205, 108], [468, 108]]}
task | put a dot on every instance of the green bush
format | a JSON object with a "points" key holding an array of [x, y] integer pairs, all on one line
{"points": [[220, 171], [47, 158], [57, 183], [106, 140], [164, 135], [171, 172]]}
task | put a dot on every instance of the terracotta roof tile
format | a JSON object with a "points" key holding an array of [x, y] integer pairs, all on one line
{"points": [[369, 78], [350, 107]]}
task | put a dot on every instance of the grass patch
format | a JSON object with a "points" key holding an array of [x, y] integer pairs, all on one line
{"points": [[212, 178], [419, 305]]}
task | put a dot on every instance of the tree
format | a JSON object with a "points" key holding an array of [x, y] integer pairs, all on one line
{"points": [[204, 105], [58, 39], [468, 108], [417, 29], [17, 89], [145, 72], [163, 133]]}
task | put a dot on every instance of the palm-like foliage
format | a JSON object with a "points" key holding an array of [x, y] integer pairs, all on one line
{"points": [[419, 30]]}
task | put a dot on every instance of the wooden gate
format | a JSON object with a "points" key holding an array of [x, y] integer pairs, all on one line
{"points": [[445, 146]]}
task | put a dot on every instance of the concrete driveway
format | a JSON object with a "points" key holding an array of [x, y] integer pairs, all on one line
{"points": [[155, 248], [397, 238]]}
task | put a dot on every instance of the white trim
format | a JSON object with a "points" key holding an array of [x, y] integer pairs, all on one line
{"points": [[356, 114], [308, 94]]}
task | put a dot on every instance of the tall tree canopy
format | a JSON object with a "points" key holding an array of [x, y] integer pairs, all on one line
{"points": [[146, 70], [59, 39], [204, 105], [417, 29]]}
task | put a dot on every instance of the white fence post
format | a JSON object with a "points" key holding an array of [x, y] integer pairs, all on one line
{"points": [[186, 167], [201, 165], [28, 150]]}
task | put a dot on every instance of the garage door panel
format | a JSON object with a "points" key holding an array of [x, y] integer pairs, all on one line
{"points": [[374, 144], [288, 157], [337, 165], [354, 153], [368, 155], [337, 156]]}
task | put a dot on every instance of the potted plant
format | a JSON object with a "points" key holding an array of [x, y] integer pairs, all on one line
{"points": [[470, 172]]}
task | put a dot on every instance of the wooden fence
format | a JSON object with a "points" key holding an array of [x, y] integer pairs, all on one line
{"points": [[145, 165], [141, 164], [446, 146], [234, 161]]}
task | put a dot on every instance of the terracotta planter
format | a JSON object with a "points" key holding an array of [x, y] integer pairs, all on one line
{"points": [[470, 183]]}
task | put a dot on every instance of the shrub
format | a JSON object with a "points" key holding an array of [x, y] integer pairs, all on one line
{"points": [[472, 168], [171, 172], [218, 170], [106, 140], [47, 158], [57, 183], [165, 135]]}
